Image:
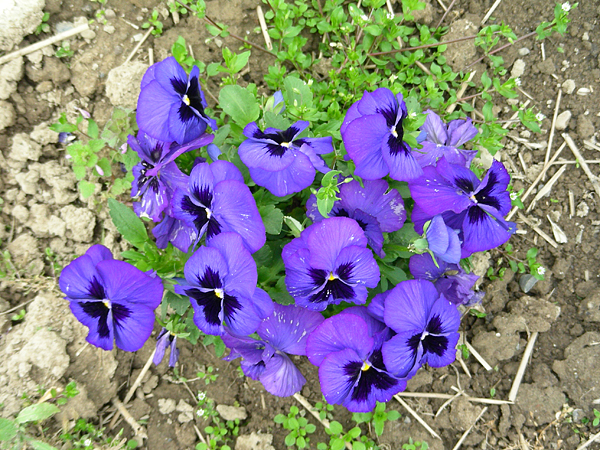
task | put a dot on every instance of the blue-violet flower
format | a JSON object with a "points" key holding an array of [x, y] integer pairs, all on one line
{"points": [[115, 300]]}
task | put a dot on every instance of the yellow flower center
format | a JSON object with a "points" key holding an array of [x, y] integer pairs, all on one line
{"points": [[365, 366], [186, 100], [219, 293], [331, 276]]}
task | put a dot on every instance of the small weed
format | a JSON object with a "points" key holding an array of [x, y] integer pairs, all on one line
{"points": [[416, 445], [43, 27], [207, 375], [154, 22], [298, 428], [64, 51]]}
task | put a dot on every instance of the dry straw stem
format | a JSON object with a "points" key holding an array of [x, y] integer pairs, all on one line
{"points": [[547, 187], [591, 440], [263, 27], [476, 354], [537, 180], [466, 433], [416, 416], [137, 428], [583, 163], [442, 5], [539, 231], [45, 43], [489, 401], [139, 44], [512, 395], [306, 404], [553, 128], [446, 13], [463, 365], [592, 145], [134, 386]]}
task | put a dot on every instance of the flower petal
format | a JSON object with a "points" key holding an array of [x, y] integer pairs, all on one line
{"points": [[295, 177], [327, 238], [235, 209], [407, 306], [241, 275], [168, 70], [100, 328], [153, 109], [362, 139], [401, 356], [336, 382], [288, 328], [435, 128], [132, 330], [339, 332], [281, 377], [124, 283]]}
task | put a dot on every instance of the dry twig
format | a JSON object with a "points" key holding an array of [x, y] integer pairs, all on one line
{"points": [[263, 27], [416, 416], [512, 395], [45, 43], [139, 44], [583, 163], [551, 137], [539, 231], [466, 433]]}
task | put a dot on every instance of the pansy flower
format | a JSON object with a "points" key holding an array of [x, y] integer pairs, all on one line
{"points": [[376, 208], [157, 176], [426, 326], [220, 280], [171, 105], [283, 332], [115, 300], [444, 140], [175, 231], [347, 350], [165, 340], [280, 161], [217, 201], [373, 135], [449, 279], [476, 208], [329, 263]]}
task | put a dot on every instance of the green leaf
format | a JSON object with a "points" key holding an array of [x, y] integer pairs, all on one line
{"points": [[104, 164], [240, 104], [335, 427], [128, 224], [241, 61], [37, 412], [272, 218], [86, 188], [297, 92], [8, 429], [79, 171], [179, 303], [337, 444], [39, 445], [279, 418], [290, 440], [295, 226], [92, 130]]}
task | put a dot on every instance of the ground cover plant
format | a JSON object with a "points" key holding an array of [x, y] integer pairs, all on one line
{"points": [[345, 201], [386, 314]]}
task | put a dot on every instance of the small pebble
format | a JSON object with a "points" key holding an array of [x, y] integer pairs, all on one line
{"points": [[88, 34], [109, 29], [518, 68], [568, 87], [527, 282], [524, 51], [109, 14], [562, 120]]}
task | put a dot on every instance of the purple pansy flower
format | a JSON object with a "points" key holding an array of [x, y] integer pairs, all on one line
{"points": [[476, 208], [115, 300], [220, 279], [426, 324], [217, 200], [347, 349], [280, 161], [376, 209], [283, 332], [373, 136], [449, 279], [442, 240], [157, 176], [176, 231], [165, 340], [171, 106], [444, 140], [329, 263]]}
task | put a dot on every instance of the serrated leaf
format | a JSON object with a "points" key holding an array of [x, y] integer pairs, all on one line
{"points": [[86, 188], [8, 429], [92, 129], [128, 223], [178, 302], [272, 218], [39, 411], [240, 104]]}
